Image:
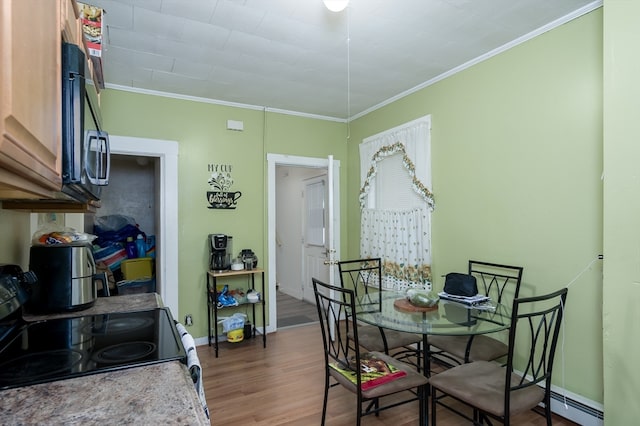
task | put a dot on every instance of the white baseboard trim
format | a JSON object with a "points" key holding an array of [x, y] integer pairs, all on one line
{"points": [[201, 341]]}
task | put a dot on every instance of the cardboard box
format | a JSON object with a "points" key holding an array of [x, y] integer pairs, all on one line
{"points": [[92, 21]]}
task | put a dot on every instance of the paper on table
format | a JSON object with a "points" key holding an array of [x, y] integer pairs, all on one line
{"points": [[478, 299]]}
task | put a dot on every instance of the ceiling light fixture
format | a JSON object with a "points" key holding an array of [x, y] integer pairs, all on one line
{"points": [[336, 5]]}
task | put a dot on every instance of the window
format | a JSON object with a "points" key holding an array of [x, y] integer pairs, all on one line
{"points": [[314, 202], [396, 203]]}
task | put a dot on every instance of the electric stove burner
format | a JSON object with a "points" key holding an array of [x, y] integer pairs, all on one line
{"points": [[38, 365], [124, 352], [63, 348], [118, 325]]}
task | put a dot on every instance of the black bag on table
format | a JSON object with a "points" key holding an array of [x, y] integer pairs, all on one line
{"points": [[458, 284]]}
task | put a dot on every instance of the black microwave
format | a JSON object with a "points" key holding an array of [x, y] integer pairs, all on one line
{"points": [[85, 145]]}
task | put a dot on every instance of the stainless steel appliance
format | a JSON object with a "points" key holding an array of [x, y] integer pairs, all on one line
{"points": [[63, 348], [15, 289], [67, 279], [221, 247], [249, 259], [85, 145]]}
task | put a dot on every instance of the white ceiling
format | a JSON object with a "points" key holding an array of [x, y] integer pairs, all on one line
{"points": [[295, 55]]}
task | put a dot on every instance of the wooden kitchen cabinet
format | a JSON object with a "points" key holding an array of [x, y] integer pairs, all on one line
{"points": [[30, 100], [70, 24]]}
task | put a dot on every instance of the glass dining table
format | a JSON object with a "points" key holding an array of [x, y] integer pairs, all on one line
{"points": [[387, 309]]}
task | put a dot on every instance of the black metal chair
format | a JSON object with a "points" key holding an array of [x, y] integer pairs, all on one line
{"points": [[500, 392], [336, 312], [364, 276], [502, 284]]}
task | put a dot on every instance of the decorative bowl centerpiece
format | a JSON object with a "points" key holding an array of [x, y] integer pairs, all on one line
{"points": [[422, 298], [417, 300]]}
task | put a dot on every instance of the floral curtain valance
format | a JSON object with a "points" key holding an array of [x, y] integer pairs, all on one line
{"points": [[413, 141], [416, 184]]}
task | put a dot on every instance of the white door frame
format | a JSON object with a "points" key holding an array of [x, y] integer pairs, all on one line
{"points": [[274, 160], [167, 238]]}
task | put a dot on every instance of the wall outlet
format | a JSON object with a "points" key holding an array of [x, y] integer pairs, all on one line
{"points": [[188, 320]]}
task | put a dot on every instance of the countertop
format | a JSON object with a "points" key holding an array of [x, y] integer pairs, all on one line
{"points": [[154, 394], [161, 394], [104, 305]]}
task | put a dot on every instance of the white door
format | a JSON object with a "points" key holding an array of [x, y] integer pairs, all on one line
{"points": [[319, 236], [315, 247]]}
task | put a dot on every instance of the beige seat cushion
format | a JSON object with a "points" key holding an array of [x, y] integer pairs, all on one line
{"points": [[370, 338], [481, 384], [483, 348]]}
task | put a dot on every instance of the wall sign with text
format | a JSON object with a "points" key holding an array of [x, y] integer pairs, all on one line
{"points": [[220, 195]]}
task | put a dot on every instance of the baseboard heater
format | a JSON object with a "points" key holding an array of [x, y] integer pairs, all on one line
{"points": [[574, 407], [586, 413]]}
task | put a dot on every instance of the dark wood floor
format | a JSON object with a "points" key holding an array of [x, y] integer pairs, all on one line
{"points": [[294, 312], [283, 385]]}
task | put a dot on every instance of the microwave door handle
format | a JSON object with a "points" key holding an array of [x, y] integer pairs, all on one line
{"points": [[89, 138], [107, 154], [103, 153], [101, 142]]}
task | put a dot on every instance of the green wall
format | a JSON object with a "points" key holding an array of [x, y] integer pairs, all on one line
{"points": [[621, 290], [517, 164], [203, 139]]}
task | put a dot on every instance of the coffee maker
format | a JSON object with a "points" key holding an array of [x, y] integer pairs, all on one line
{"points": [[221, 249]]}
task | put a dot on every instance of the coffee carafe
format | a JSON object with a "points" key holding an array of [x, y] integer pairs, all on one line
{"points": [[221, 249]]}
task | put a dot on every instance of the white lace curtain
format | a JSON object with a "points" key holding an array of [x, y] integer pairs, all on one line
{"points": [[399, 234]]}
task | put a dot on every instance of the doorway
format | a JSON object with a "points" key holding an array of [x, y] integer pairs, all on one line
{"points": [[287, 262], [165, 155], [300, 241]]}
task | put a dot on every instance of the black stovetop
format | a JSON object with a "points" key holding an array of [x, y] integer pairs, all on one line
{"points": [[62, 348]]}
